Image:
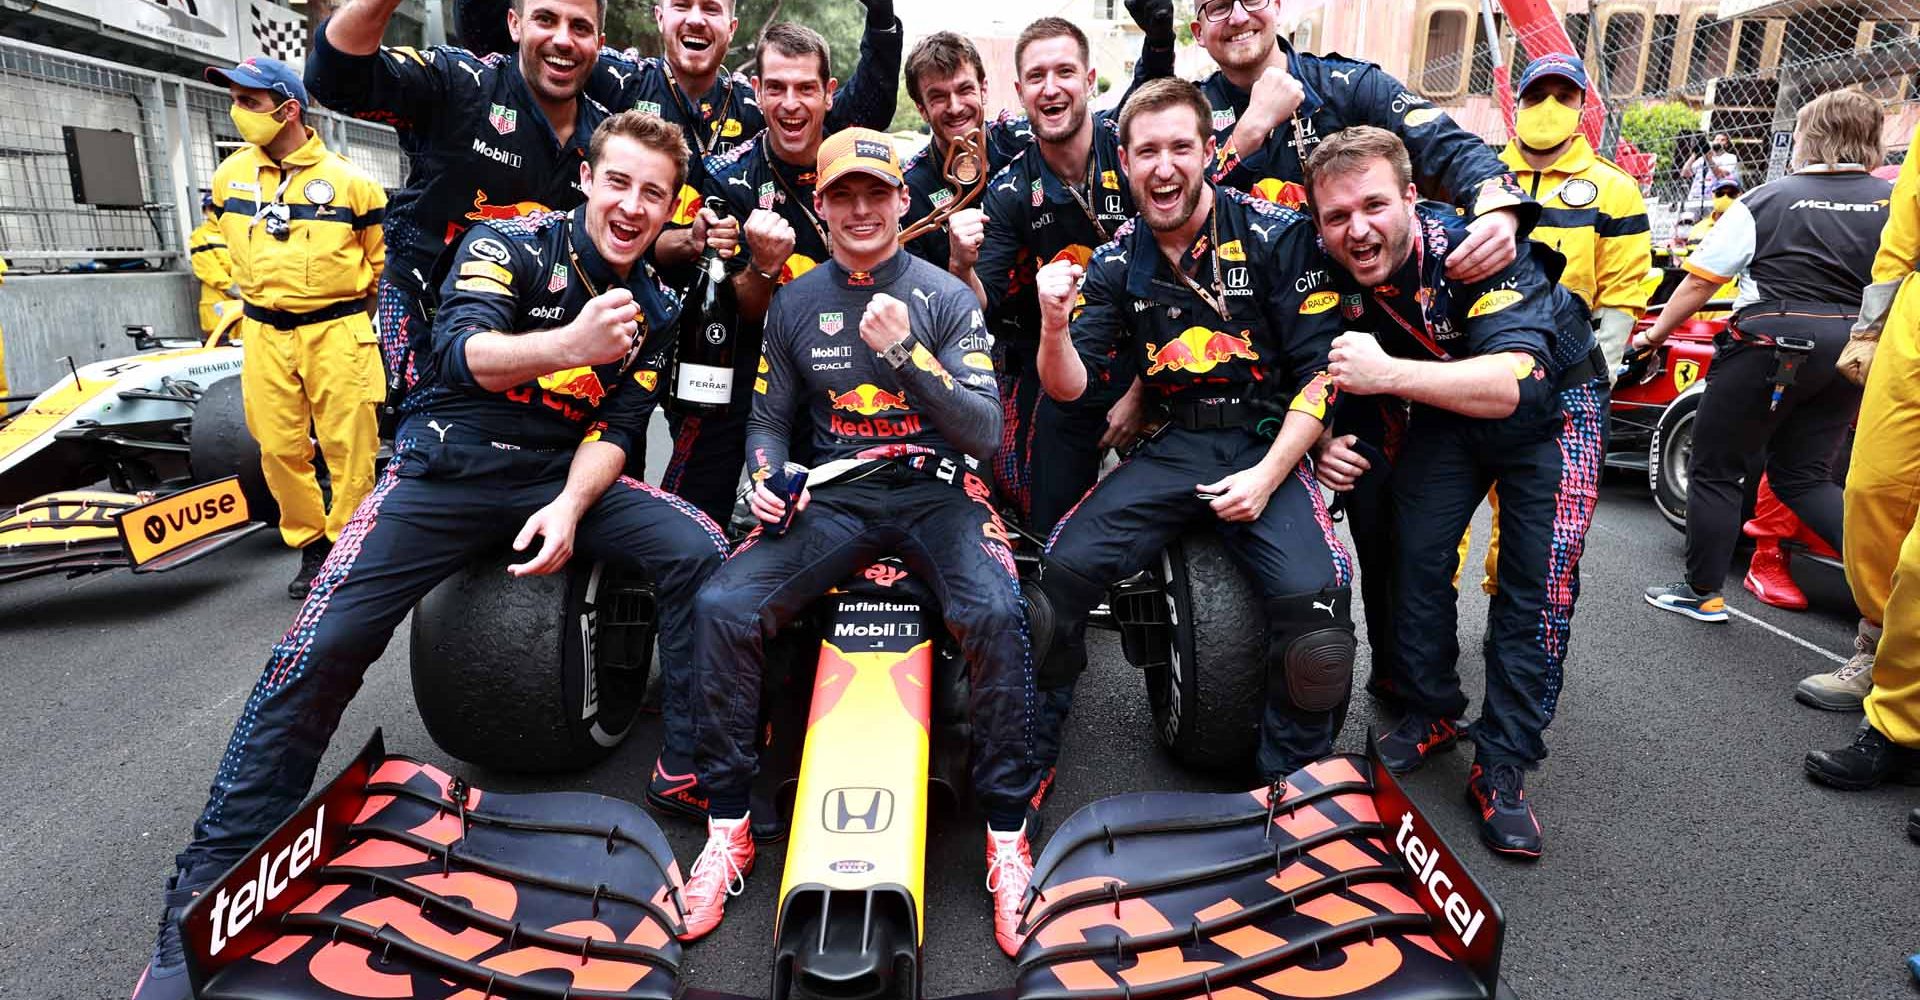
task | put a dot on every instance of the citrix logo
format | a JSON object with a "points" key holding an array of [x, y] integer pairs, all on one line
{"points": [[269, 881], [1424, 862]]}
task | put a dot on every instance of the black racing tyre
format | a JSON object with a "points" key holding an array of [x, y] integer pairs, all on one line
{"points": [[536, 674], [1668, 455], [220, 445], [1208, 694]]}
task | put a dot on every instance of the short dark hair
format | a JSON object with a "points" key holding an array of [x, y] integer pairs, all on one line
{"points": [[1051, 27], [1161, 94], [1352, 150], [794, 40], [649, 130], [941, 55], [599, 19]]}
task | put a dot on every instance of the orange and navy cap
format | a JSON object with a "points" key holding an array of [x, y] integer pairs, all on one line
{"points": [[859, 150]]}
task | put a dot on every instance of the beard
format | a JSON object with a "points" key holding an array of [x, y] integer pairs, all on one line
{"points": [[1160, 221]]}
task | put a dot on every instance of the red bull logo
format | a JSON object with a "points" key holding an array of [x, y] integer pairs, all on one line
{"points": [[796, 265], [578, 382], [867, 400], [1280, 192], [482, 211], [1198, 350], [1074, 252], [686, 206]]}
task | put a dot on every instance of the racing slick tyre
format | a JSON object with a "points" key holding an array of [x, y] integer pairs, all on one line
{"points": [[1207, 689], [536, 674], [1669, 453], [220, 445]]}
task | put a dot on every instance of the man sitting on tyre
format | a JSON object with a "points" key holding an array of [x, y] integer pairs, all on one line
{"points": [[1212, 302], [549, 343], [1505, 382], [879, 358]]}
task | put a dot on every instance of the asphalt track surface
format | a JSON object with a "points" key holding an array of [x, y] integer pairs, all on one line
{"points": [[1687, 856]]}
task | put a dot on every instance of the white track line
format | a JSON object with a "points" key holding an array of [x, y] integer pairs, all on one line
{"points": [[1789, 636]]}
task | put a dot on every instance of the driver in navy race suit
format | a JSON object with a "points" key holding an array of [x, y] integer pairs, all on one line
{"points": [[549, 346]]}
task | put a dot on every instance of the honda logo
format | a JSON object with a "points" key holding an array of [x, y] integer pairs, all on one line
{"points": [[857, 810]]}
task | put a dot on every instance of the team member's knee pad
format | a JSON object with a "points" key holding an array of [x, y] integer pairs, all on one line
{"points": [[1311, 647]]}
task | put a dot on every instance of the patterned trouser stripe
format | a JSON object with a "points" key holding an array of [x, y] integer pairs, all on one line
{"points": [[1342, 561], [682, 452], [679, 503], [1580, 463]]}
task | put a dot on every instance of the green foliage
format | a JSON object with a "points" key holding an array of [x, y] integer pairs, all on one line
{"points": [[631, 22], [906, 117], [1653, 127]]}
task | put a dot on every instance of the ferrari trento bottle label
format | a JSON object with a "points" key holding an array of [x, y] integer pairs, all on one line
{"points": [[704, 384]]}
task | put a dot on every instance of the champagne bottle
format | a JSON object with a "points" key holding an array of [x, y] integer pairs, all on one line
{"points": [[709, 334]]}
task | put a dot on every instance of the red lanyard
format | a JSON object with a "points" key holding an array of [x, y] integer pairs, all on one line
{"points": [[1424, 333]]}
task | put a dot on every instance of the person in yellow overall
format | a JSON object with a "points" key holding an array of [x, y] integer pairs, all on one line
{"points": [[1591, 211], [303, 226], [212, 265], [1880, 541]]}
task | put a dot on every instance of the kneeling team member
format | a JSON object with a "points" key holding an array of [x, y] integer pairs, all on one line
{"points": [[1215, 304], [1506, 383], [880, 357], [543, 380]]}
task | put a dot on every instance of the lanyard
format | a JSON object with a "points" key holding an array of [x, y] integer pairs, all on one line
{"points": [[640, 317], [793, 197], [1086, 207], [684, 102], [1218, 298], [279, 193], [1424, 333]]}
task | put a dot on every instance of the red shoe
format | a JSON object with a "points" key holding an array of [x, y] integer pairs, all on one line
{"points": [[1768, 579], [719, 872], [1009, 872]]}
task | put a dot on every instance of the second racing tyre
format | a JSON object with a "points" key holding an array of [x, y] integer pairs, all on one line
{"points": [[534, 675], [220, 445], [1669, 454], [1207, 692]]}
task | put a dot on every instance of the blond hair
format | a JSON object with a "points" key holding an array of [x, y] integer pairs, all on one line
{"points": [[1840, 126]]}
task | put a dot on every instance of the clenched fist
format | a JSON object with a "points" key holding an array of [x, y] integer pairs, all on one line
{"points": [[717, 232], [769, 240], [885, 323], [1360, 365], [1275, 97], [603, 332], [1058, 285], [966, 230]]}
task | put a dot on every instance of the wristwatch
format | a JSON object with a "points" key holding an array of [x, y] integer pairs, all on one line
{"points": [[897, 355]]}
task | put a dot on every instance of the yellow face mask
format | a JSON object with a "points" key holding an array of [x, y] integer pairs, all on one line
{"points": [[257, 127], [1720, 203], [1546, 124]]}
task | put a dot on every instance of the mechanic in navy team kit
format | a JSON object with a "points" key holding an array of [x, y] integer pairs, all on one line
{"points": [[485, 140], [1215, 300], [549, 345], [1271, 106], [1505, 382], [947, 81], [876, 358]]}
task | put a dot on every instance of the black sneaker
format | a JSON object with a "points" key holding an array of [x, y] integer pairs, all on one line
{"points": [[675, 789], [1417, 737], [1507, 823], [312, 557], [165, 977], [1869, 760]]}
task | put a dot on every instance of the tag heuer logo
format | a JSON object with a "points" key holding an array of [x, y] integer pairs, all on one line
{"points": [[558, 283], [940, 197], [650, 107], [1223, 118], [832, 323], [766, 196], [1037, 196], [503, 119]]}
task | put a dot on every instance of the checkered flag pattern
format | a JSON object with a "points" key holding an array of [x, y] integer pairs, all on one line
{"points": [[280, 33]]}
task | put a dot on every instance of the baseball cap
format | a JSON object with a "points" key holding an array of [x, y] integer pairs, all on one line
{"points": [[1558, 64], [1727, 184], [262, 73], [861, 150]]}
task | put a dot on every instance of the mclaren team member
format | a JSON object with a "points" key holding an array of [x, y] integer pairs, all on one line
{"points": [[1590, 211], [1198, 295], [1505, 383], [947, 81], [485, 140], [768, 182], [1882, 540], [1803, 248], [551, 336], [1058, 199], [1273, 105], [212, 265], [876, 358], [303, 227]]}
